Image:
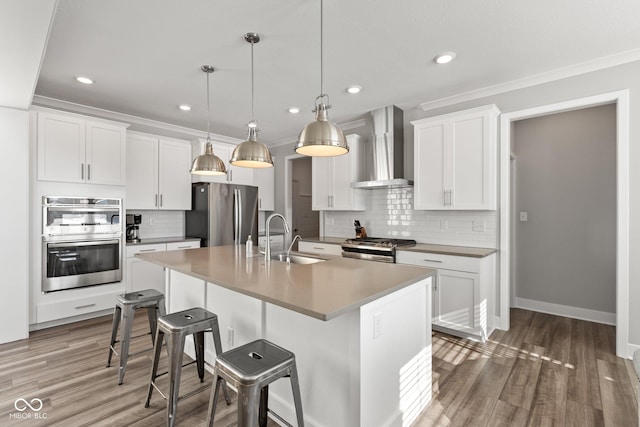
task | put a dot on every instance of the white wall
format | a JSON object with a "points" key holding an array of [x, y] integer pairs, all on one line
{"points": [[14, 192], [566, 182]]}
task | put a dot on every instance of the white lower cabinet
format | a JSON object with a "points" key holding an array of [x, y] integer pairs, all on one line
{"points": [[319, 248], [463, 292], [142, 275], [53, 311]]}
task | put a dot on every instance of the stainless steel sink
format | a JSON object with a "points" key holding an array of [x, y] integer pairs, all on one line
{"points": [[297, 258]]}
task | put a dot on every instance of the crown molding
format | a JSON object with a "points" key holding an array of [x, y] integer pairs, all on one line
{"points": [[560, 73], [140, 123]]}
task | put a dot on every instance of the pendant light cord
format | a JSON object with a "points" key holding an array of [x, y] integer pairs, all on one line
{"points": [[252, 83], [321, 52], [208, 113]]}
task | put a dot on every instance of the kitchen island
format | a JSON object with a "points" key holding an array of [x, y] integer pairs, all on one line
{"points": [[360, 330]]}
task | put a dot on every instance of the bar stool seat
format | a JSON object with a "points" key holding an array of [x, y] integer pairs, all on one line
{"points": [[176, 327], [251, 368], [126, 305]]}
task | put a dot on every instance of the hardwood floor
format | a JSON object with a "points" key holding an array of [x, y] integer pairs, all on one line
{"points": [[546, 370]]}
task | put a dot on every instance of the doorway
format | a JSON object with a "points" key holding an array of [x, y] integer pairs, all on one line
{"points": [[298, 189], [621, 101]]}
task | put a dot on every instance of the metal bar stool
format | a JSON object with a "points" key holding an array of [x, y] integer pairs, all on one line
{"points": [[251, 368], [126, 305], [176, 326]]}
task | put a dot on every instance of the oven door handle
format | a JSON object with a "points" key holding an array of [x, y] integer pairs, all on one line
{"points": [[82, 243]]}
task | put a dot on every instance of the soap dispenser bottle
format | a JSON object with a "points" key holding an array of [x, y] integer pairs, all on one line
{"points": [[249, 246]]}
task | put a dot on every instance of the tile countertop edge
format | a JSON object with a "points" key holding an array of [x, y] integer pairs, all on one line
{"points": [[185, 262], [466, 251], [156, 240]]}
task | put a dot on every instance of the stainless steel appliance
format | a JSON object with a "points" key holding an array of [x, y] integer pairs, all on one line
{"points": [[81, 242], [222, 214], [374, 248], [133, 227]]}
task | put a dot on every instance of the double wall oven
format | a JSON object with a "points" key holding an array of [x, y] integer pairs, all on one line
{"points": [[81, 242]]}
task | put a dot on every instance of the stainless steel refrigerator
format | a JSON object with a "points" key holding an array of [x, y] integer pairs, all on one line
{"points": [[222, 214]]}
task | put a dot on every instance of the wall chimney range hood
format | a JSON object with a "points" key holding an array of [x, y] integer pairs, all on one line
{"points": [[385, 154]]}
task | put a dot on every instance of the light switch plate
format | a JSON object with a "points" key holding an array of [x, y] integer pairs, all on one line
{"points": [[479, 226], [524, 216]]}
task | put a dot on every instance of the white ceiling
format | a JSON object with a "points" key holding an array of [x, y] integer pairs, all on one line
{"points": [[145, 55]]}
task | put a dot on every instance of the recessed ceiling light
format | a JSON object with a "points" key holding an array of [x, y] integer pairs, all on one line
{"points": [[354, 89], [184, 107], [444, 57], [84, 80], [293, 110]]}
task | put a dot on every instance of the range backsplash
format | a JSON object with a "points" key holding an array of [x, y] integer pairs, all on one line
{"points": [[389, 213]]}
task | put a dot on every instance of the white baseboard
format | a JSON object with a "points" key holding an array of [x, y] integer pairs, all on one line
{"points": [[567, 311]]}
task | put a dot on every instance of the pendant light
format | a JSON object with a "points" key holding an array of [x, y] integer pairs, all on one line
{"points": [[208, 163], [321, 137], [252, 153]]}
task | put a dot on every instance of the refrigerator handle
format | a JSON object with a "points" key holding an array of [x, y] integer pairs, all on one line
{"points": [[235, 216], [240, 217]]}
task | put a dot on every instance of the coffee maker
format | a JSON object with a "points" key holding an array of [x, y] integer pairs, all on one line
{"points": [[133, 227]]}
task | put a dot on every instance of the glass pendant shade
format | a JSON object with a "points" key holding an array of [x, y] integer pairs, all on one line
{"points": [[322, 138], [208, 163], [251, 153]]}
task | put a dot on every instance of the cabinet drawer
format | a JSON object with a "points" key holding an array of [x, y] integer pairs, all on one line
{"points": [[191, 244], [319, 248], [75, 307], [277, 242], [136, 249], [439, 261]]}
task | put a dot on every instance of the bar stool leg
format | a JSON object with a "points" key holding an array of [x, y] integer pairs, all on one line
{"points": [[248, 405], [125, 338], [114, 332], [297, 399], [152, 314], [157, 348], [213, 400], [175, 342], [218, 346], [198, 341], [264, 406]]}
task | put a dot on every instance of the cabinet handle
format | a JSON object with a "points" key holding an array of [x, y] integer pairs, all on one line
{"points": [[147, 250], [84, 306], [161, 200], [320, 249], [88, 171], [156, 203], [82, 171], [259, 202], [184, 247], [230, 175], [431, 260]]}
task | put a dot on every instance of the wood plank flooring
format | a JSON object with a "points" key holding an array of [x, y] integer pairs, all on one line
{"points": [[546, 370]]}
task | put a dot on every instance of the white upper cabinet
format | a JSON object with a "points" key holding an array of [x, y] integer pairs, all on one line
{"points": [[332, 178], [455, 160], [235, 174], [74, 148], [264, 179], [158, 173]]}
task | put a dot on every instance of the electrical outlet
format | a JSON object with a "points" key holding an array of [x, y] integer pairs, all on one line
{"points": [[479, 226], [377, 325], [524, 216], [230, 334]]}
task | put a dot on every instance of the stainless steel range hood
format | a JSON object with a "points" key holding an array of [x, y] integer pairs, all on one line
{"points": [[385, 155]]}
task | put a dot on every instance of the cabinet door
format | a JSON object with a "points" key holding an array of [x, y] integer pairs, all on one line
{"points": [[347, 169], [457, 303], [174, 179], [264, 180], [61, 148], [471, 163], [142, 172], [238, 175], [105, 154], [144, 275], [321, 183], [429, 166]]}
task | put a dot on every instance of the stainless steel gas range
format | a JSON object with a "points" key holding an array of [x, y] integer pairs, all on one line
{"points": [[380, 249]]}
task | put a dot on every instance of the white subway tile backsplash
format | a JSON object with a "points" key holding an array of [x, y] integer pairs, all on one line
{"points": [[389, 213], [160, 223]]}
